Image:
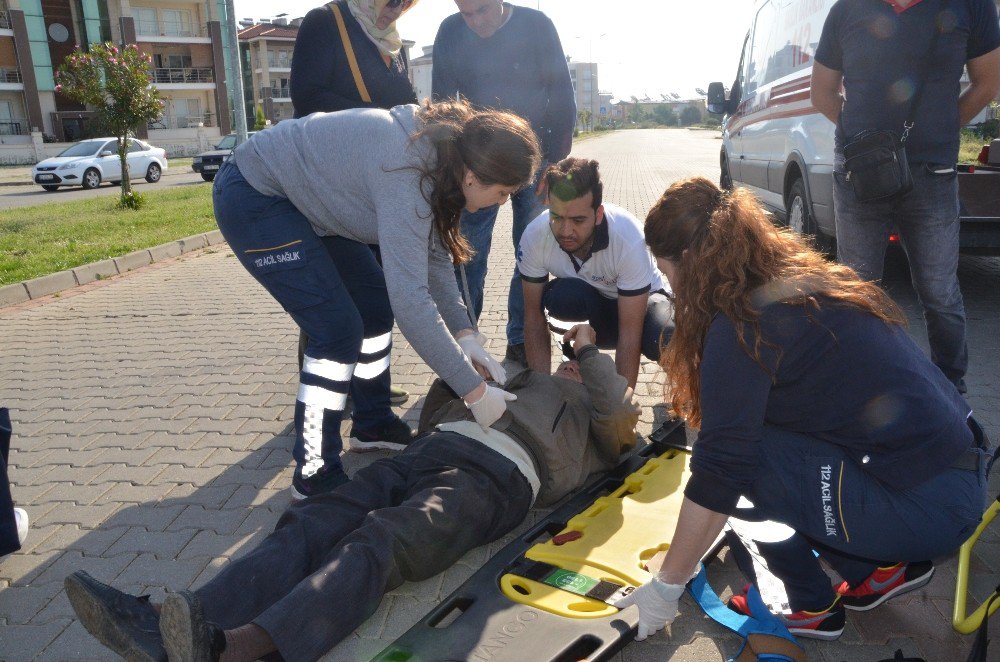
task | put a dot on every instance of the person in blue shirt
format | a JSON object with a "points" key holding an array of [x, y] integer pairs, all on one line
{"points": [[497, 55], [878, 52], [814, 405]]}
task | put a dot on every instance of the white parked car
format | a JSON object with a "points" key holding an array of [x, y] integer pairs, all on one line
{"points": [[90, 162]]}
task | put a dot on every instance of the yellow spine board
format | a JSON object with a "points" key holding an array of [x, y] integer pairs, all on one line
{"points": [[620, 532]]}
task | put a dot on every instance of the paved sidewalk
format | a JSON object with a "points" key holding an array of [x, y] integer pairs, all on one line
{"points": [[152, 418]]}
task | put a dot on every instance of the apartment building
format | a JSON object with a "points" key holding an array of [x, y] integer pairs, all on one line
{"points": [[584, 77], [266, 57], [185, 39]]}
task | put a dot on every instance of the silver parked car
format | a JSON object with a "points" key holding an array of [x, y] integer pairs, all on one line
{"points": [[90, 162]]}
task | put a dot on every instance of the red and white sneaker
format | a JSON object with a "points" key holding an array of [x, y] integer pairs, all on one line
{"points": [[885, 583], [826, 625]]}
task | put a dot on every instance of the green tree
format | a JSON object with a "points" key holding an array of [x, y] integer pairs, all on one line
{"points": [[664, 114], [690, 115], [115, 82], [260, 121], [584, 117]]}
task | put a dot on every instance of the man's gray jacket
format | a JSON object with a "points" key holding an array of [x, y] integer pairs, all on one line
{"points": [[571, 430]]}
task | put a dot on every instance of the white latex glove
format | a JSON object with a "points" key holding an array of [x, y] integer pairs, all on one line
{"points": [[490, 407], [473, 345], [657, 603]]}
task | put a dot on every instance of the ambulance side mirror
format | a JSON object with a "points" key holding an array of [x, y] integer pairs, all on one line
{"points": [[717, 104]]}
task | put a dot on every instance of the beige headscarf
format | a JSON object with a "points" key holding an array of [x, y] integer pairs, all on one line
{"points": [[366, 12]]}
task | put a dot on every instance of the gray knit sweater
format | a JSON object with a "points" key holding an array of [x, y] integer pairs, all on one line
{"points": [[351, 174]]}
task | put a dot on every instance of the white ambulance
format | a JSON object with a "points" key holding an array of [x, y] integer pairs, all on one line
{"points": [[774, 142]]}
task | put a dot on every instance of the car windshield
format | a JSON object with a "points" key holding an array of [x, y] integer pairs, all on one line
{"points": [[227, 143], [85, 148]]}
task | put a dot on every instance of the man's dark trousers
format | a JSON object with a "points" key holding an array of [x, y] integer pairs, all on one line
{"points": [[575, 300], [928, 222], [324, 569]]}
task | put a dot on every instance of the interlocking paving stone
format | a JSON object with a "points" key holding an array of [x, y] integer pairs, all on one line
{"points": [[152, 440]]}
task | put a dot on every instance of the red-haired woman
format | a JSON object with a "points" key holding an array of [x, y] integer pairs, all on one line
{"points": [[814, 405]]}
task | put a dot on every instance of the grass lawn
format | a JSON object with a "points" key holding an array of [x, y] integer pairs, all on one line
{"points": [[39, 240], [969, 147]]}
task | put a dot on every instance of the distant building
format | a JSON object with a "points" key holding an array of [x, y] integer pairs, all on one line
{"points": [[421, 70], [584, 77], [186, 40], [266, 62]]}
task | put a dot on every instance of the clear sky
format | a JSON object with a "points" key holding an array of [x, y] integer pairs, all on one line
{"points": [[642, 47]]}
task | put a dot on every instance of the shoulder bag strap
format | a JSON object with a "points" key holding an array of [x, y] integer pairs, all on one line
{"points": [[352, 61]]}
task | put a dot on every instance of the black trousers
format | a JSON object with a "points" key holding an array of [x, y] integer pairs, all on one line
{"points": [[331, 557]]}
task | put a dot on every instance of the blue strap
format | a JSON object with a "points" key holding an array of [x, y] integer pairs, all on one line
{"points": [[763, 621]]}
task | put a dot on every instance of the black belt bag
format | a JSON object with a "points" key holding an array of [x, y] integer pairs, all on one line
{"points": [[876, 166]]}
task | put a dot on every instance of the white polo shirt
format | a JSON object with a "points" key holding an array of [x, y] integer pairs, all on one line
{"points": [[620, 264]]}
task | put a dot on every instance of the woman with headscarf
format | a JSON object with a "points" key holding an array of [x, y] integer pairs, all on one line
{"points": [[337, 36], [348, 54]]}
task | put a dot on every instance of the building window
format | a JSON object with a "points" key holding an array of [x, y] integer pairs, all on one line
{"points": [[177, 23], [145, 20]]}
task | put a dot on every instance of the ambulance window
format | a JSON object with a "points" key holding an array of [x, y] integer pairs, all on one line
{"points": [[761, 49]]}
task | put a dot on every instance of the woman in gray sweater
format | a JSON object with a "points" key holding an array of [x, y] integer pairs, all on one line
{"points": [[301, 202]]}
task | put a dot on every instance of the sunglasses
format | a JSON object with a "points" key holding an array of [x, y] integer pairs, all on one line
{"points": [[392, 4]]}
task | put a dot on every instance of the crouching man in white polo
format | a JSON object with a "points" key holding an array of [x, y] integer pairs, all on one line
{"points": [[601, 273]]}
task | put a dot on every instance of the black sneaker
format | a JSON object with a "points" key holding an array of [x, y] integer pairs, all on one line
{"points": [[516, 353], [186, 635], [885, 583], [127, 624], [393, 436], [319, 483]]}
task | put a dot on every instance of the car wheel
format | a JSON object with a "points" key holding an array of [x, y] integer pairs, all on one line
{"points": [[91, 179], [725, 179], [800, 217], [153, 173], [50, 187], [208, 176]]}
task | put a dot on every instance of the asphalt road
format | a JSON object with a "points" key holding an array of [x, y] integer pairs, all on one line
{"points": [[32, 194]]}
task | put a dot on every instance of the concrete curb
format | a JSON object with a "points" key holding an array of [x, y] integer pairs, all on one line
{"points": [[61, 281]]}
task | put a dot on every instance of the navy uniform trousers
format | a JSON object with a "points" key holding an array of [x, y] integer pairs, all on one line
{"points": [[335, 291]]}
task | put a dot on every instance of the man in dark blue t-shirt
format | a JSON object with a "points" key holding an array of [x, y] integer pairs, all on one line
{"points": [[877, 50], [497, 55]]}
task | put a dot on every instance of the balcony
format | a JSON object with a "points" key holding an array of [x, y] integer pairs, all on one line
{"points": [[15, 126], [158, 28], [182, 122], [163, 75], [9, 75], [275, 92]]}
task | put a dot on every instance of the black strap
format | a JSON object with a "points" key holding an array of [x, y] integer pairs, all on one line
{"points": [[918, 92]]}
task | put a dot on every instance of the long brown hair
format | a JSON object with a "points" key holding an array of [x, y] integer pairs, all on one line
{"points": [[498, 147], [731, 259]]}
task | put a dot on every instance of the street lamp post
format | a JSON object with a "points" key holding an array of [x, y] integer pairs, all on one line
{"points": [[235, 75]]}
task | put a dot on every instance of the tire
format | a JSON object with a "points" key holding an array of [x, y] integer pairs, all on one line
{"points": [[800, 218], [208, 177], [153, 173], [91, 179], [50, 187], [725, 179]]}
